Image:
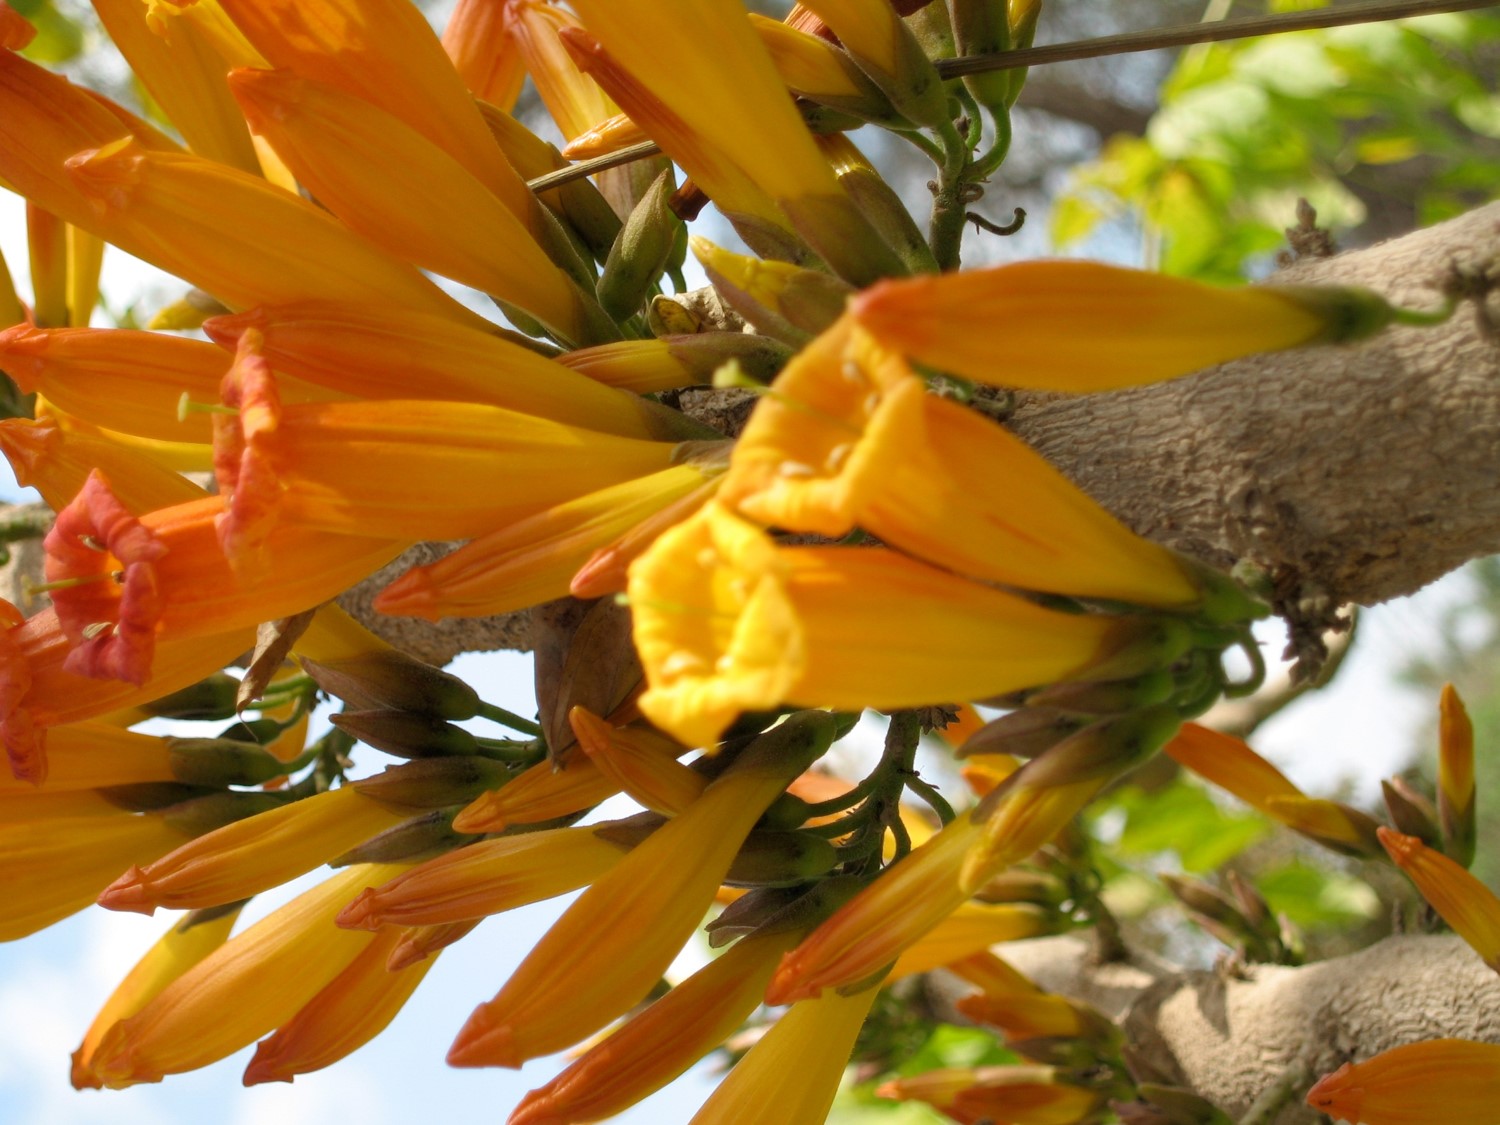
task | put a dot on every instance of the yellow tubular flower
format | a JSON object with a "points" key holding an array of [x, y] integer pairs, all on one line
{"points": [[94, 756], [705, 61], [179, 65], [1081, 327], [85, 261], [127, 380], [47, 249], [1228, 762], [373, 468], [187, 943], [254, 982], [394, 186], [726, 622], [1018, 1095], [421, 942], [815, 69], [254, 854], [1456, 777], [885, 48], [851, 438], [238, 237], [572, 98], [794, 1070], [384, 353], [1454, 1081], [534, 560], [541, 793], [609, 948], [642, 762], [1463, 901], [44, 120], [57, 865], [485, 878], [351, 1010], [385, 52], [872, 930], [604, 138], [973, 928], [483, 55]]}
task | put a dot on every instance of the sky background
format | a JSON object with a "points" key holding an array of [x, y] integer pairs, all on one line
{"points": [[51, 984]]}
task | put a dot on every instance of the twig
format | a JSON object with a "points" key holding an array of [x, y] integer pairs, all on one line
{"points": [[1149, 39]]}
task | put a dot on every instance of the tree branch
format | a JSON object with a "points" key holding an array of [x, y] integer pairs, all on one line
{"points": [[1348, 474]]}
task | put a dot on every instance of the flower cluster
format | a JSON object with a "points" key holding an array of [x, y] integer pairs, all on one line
{"points": [[862, 542]]}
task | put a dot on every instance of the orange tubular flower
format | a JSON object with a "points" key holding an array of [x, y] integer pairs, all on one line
{"points": [[351, 1010], [1070, 326], [726, 622], [870, 931], [386, 353], [15, 31], [254, 854], [535, 559], [391, 184], [188, 942], [1454, 1081], [256, 981], [1018, 1095], [385, 52], [851, 438], [405, 470], [238, 237], [642, 762], [37, 691], [573, 99], [794, 1070], [486, 878], [729, 108], [613, 944], [656, 1046], [172, 575], [57, 461], [58, 864], [604, 138], [96, 756], [1455, 788], [126, 380], [542, 792], [973, 928], [483, 55], [184, 73], [1463, 901], [1229, 763], [44, 120]]}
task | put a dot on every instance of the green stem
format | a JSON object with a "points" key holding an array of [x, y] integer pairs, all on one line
{"points": [[508, 719], [950, 202]]}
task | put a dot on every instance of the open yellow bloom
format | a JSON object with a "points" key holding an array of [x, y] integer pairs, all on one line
{"points": [[794, 1070], [188, 942], [726, 622], [1081, 327], [851, 438], [1463, 901], [613, 944], [254, 982], [350, 1010], [391, 184], [254, 854], [1454, 1081]]}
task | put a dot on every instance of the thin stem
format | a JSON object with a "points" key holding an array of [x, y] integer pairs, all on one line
{"points": [[1130, 42], [1185, 35], [508, 719], [950, 199]]}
